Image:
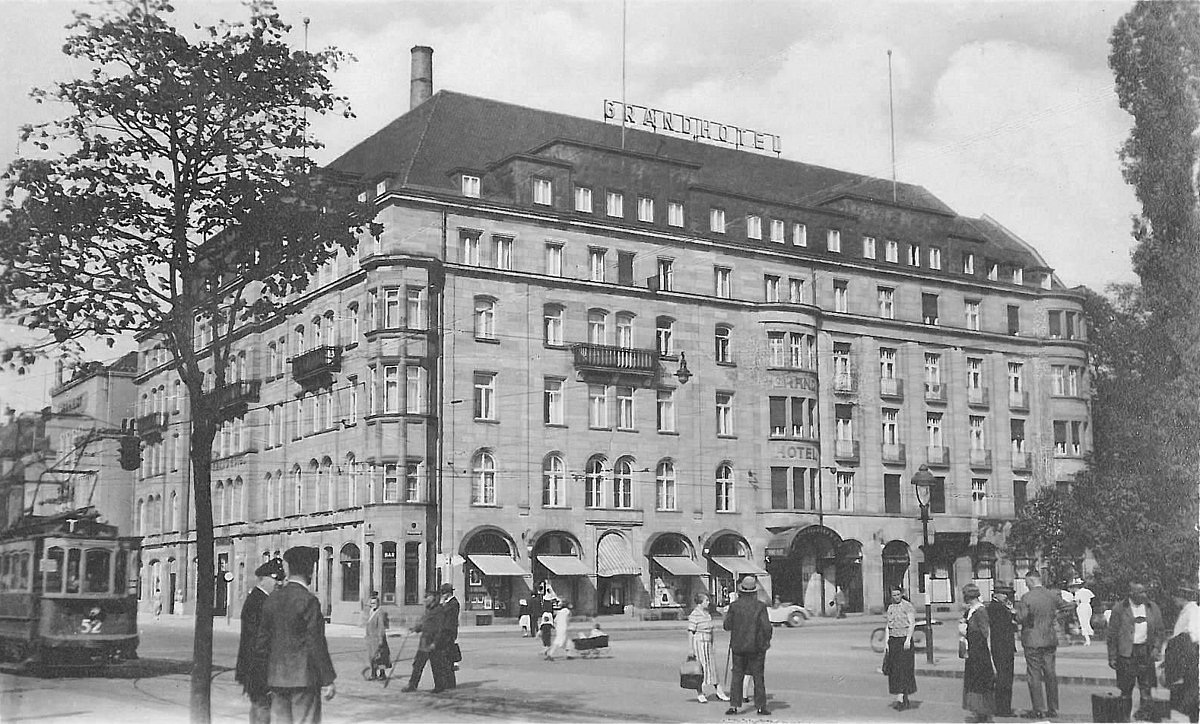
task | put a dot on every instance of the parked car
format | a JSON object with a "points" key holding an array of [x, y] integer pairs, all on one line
{"points": [[789, 614]]}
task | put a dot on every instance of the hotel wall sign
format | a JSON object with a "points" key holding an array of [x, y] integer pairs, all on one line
{"points": [[699, 129]]}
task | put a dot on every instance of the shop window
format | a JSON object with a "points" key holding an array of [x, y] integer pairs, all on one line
{"points": [[387, 583]]}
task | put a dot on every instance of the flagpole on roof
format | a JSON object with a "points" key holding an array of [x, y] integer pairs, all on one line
{"points": [[892, 123], [624, 9]]}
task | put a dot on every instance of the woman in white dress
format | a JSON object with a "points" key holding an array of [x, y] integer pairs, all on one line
{"points": [[1083, 609], [700, 631]]}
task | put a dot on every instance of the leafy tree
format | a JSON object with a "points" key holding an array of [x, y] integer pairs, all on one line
{"points": [[175, 198]]}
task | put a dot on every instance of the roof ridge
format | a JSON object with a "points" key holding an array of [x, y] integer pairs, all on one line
{"points": [[412, 159]]}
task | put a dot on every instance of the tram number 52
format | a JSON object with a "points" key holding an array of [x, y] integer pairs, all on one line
{"points": [[91, 624]]}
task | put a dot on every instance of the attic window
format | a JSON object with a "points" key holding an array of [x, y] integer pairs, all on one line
{"points": [[381, 188], [542, 191], [1018, 275], [470, 186], [935, 258]]}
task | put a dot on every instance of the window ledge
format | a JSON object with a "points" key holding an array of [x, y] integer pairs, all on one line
{"points": [[602, 429], [727, 437], [487, 421], [668, 432], [726, 364], [487, 340], [557, 425], [627, 429], [555, 345]]}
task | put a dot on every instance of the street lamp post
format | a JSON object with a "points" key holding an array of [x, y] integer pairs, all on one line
{"points": [[923, 481]]}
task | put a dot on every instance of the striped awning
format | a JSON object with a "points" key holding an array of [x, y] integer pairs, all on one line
{"points": [[613, 557], [497, 565], [738, 566], [680, 566], [564, 565]]}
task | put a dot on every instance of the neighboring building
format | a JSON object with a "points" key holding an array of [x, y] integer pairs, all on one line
{"points": [[92, 408], [624, 366], [24, 447]]}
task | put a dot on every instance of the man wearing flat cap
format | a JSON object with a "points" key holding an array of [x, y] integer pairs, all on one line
{"points": [[251, 671], [1003, 644], [292, 637], [749, 628]]}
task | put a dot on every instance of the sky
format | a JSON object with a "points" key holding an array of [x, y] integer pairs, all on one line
{"points": [[1001, 108]]}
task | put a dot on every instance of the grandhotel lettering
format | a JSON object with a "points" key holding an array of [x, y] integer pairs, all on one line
{"points": [[797, 382], [698, 128]]}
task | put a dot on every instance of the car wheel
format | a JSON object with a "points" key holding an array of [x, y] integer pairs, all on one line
{"points": [[795, 618]]}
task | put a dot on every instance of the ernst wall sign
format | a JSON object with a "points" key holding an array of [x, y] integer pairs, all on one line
{"points": [[699, 129]]}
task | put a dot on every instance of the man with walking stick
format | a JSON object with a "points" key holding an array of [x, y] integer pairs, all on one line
{"points": [[749, 638]]}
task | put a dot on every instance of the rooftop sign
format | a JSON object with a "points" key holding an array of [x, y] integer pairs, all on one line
{"points": [[699, 129]]}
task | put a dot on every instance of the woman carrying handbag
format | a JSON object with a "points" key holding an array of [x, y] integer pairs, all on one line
{"points": [[700, 633]]}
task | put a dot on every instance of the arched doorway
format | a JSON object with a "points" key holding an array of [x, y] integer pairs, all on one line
{"points": [[803, 566], [616, 573], [492, 573], [558, 567], [848, 574], [351, 560], [729, 558], [674, 572], [896, 564]]}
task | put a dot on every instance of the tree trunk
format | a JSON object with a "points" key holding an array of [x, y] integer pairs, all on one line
{"points": [[203, 432]]}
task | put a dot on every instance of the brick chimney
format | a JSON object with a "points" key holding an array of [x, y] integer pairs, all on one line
{"points": [[421, 86]]}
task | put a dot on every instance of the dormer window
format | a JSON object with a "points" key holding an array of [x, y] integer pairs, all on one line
{"points": [[891, 251], [381, 188], [833, 240], [1018, 275], [470, 186], [583, 199], [754, 227], [993, 273], [615, 204], [543, 191], [914, 255], [645, 209], [716, 221], [777, 228], [968, 263], [675, 214], [868, 247]]}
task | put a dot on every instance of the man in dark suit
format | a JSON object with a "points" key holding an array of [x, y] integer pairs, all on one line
{"points": [[292, 638], [440, 659], [1037, 611], [1003, 644], [428, 628], [251, 671], [749, 638], [1135, 638]]}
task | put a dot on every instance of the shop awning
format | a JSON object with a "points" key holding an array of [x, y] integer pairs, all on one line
{"points": [[781, 542], [680, 566], [564, 565], [613, 557], [497, 565], [738, 566]]}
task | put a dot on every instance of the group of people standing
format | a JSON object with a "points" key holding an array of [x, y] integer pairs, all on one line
{"points": [[283, 661], [1135, 638]]}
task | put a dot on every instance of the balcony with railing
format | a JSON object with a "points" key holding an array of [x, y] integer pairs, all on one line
{"points": [[236, 397], [981, 459], [1022, 460], [150, 427], [977, 396], [845, 450], [622, 360], [893, 453], [1018, 400], [891, 387], [937, 455], [845, 383], [935, 392], [318, 363]]}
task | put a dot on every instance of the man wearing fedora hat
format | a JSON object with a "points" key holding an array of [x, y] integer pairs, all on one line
{"points": [[1003, 644], [440, 659], [749, 628], [251, 670]]}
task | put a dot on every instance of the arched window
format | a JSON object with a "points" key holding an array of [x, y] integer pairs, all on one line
{"points": [[174, 520], [350, 572], [269, 490], [722, 352], [297, 490], [298, 341], [625, 330], [218, 504], [554, 474], [724, 488], [331, 502], [351, 479], [351, 320], [238, 509], [312, 500], [593, 482], [552, 327], [141, 517], [330, 328], [597, 326], [318, 333], [483, 481], [281, 494], [664, 485], [485, 318], [664, 336], [272, 358], [623, 483]]}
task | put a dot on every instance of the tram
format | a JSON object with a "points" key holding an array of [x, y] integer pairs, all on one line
{"points": [[67, 597]]}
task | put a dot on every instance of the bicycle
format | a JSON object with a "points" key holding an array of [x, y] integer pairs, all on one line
{"points": [[879, 637]]}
